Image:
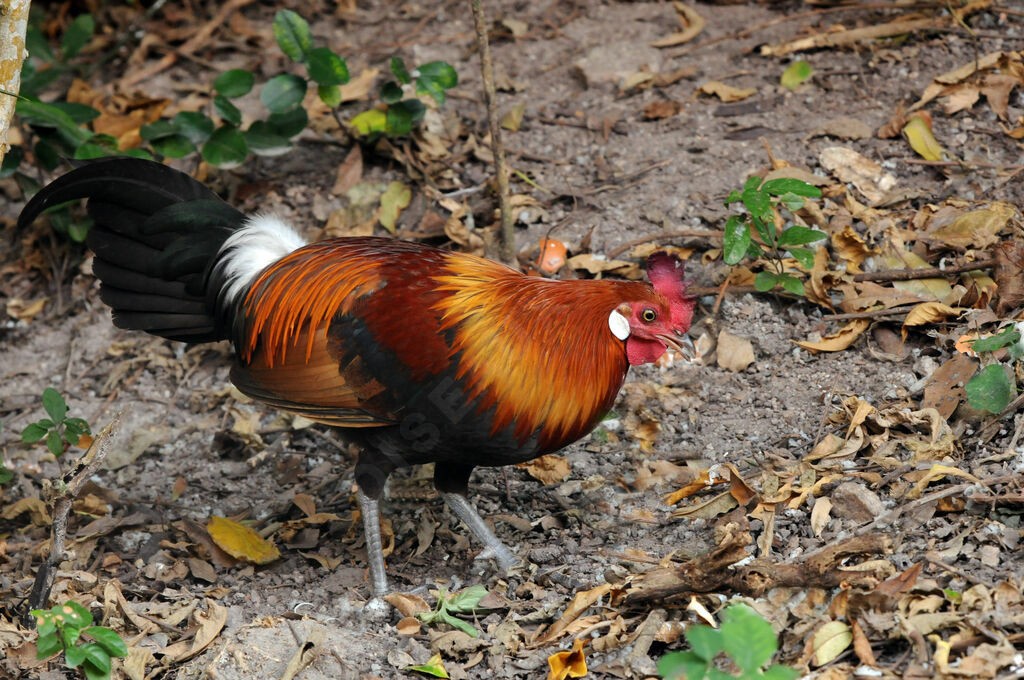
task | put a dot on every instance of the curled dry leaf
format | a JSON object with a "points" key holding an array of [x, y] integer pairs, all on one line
{"points": [[918, 132], [726, 93], [665, 108], [692, 22], [864, 174], [734, 353], [928, 312], [830, 641], [839, 340], [549, 469], [571, 664]]}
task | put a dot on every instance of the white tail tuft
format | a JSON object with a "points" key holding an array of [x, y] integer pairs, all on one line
{"points": [[262, 240]]}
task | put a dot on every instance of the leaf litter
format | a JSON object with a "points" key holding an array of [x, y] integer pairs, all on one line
{"points": [[811, 553]]}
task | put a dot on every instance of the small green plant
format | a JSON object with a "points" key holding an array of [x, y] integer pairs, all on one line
{"points": [[762, 201], [60, 128], [61, 629], [6, 474], [58, 428], [744, 637], [463, 602], [991, 389]]}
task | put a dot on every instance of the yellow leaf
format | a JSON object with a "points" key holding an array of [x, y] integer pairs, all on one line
{"points": [[838, 341], [568, 664], [830, 640], [514, 118], [370, 121], [392, 201], [937, 472], [432, 667], [240, 541], [928, 312], [918, 131], [726, 93]]}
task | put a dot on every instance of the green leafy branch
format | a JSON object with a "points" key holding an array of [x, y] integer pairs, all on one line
{"points": [[762, 201], [463, 602], [744, 637], [61, 629], [58, 428], [991, 389]]}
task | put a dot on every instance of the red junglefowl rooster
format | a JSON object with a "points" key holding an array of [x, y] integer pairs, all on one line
{"points": [[422, 355]]}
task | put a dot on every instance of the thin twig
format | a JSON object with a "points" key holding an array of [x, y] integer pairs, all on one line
{"points": [[507, 234], [962, 164], [65, 494], [933, 273], [667, 236]]}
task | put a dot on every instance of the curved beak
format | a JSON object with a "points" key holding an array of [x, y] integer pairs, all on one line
{"points": [[681, 343]]}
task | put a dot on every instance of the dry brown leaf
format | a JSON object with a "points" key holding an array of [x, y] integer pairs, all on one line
{"points": [[978, 228], [207, 626], [36, 508], [830, 641], [938, 472], [665, 108], [928, 312], [693, 23], [839, 340], [726, 93], [407, 604], [240, 541], [598, 264], [864, 174], [697, 485], [549, 469], [360, 86], [843, 127], [581, 602], [734, 353], [18, 309], [329, 563], [852, 248], [514, 118], [719, 505], [820, 515], [409, 625], [945, 388], [350, 172]]}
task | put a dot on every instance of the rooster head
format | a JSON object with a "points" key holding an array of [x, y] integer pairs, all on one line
{"points": [[652, 325]]}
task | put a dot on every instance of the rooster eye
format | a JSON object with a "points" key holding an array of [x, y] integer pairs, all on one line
{"points": [[648, 315]]}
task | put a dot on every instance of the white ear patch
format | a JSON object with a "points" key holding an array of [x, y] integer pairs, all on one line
{"points": [[618, 324]]}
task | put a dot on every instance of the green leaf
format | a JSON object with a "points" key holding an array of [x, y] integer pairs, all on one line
{"points": [[792, 284], [108, 639], [705, 641], [47, 115], [370, 122], [804, 256], [798, 236], [54, 443], [77, 35], [455, 622], [329, 94], [440, 72], [237, 82], [196, 126], [1009, 336], [93, 673], [402, 73], [733, 197], [175, 146], [79, 229], [682, 666], [737, 239], [74, 655], [79, 113], [779, 672], [391, 92], [398, 120], [47, 155], [97, 657], [54, 404], [795, 74], [79, 423], [11, 161], [6, 474], [466, 600], [70, 437], [783, 185], [990, 390], [791, 201], [37, 44], [433, 667], [91, 150], [226, 147], [326, 68], [292, 34], [33, 433], [747, 638], [48, 644], [765, 281], [157, 129], [290, 123], [226, 110], [434, 78], [283, 92], [263, 141]]}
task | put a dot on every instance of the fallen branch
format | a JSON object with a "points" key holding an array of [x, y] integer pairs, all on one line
{"points": [[667, 236], [933, 273], [63, 496], [507, 236]]}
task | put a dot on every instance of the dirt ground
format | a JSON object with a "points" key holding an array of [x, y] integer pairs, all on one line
{"points": [[601, 172]]}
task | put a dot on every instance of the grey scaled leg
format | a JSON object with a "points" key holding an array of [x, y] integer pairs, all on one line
{"points": [[465, 511], [374, 553]]}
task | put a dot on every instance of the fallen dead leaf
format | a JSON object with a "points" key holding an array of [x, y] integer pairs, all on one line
{"points": [[240, 541], [864, 174], [665, 108], [734, 353], [839, 340], [571, 664], [830, 641], [726, 93], [549, 469]]}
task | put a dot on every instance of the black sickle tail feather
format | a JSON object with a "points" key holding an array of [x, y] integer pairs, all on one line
{"points": [[156, 235]]}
